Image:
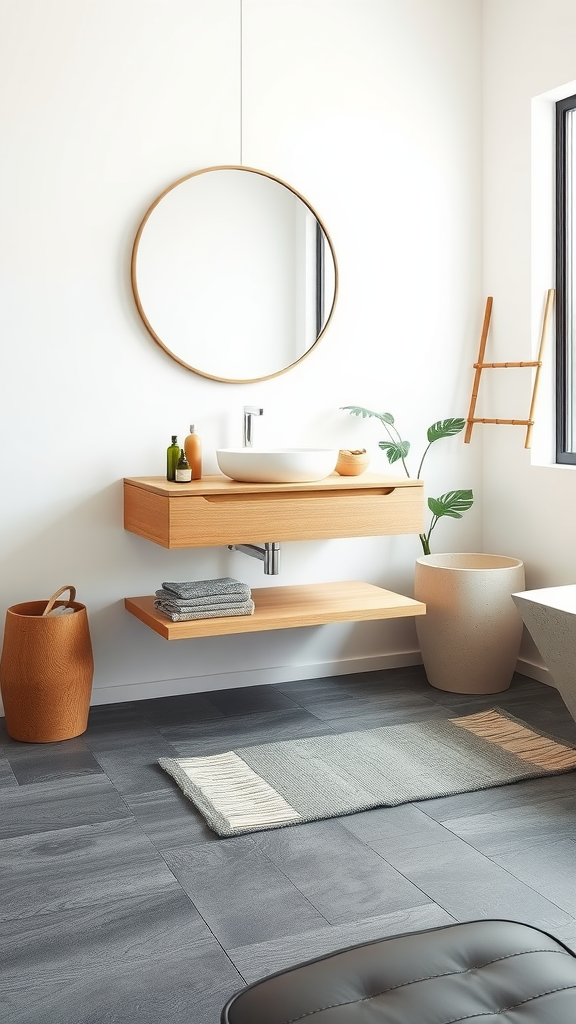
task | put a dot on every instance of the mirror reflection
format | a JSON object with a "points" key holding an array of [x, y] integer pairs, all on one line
{"points": [[234, 274]]}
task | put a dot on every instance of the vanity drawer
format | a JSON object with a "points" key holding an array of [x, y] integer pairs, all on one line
{"points": [[234, 515]]}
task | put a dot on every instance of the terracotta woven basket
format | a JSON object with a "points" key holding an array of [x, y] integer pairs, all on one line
{"points": [[46, 670], [352, 463]]}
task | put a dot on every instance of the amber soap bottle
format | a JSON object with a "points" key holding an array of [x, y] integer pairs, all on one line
{"points": [[193, 449]]}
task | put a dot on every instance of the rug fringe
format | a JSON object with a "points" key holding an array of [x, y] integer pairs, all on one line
{"points": [[243, 798], [519, 740]]}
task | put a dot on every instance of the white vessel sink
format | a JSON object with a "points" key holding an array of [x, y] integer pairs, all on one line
{"points": [[277, 465]]}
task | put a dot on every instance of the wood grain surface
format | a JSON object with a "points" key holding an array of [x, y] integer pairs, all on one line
{"points": [[217, 511], [311, 604], [46, 673]]}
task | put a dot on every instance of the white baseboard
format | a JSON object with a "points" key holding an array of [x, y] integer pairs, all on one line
{"points": [[120, 693], [538, 672]]}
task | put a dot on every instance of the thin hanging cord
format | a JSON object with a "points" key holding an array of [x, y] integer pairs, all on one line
{"points": [[241, 82]]}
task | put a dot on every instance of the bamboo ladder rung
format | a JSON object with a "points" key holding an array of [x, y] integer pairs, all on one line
{"points": [[522, 423], [500, 366], [481, 365]]}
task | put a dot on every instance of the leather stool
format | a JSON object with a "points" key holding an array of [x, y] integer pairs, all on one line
{"points": [[490, 971]]}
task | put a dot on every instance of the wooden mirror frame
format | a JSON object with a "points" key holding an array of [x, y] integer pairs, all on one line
{"points": [[139, 305]]}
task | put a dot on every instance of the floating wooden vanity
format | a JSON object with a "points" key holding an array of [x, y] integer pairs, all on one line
{"points": [[217, 511]]}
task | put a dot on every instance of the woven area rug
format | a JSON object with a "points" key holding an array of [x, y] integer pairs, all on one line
{"points": [[286, 783]]}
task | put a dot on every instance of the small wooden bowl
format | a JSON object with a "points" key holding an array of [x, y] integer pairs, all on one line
{"points": [[352, 463]]}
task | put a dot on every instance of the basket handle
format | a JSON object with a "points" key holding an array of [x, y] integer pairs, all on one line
{"points": [[50, 604]]}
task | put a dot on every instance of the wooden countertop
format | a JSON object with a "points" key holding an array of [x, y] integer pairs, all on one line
{"points": [[220, 484]]}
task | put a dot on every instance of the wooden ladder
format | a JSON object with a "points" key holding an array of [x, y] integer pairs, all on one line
{"points": [[481, 365]]}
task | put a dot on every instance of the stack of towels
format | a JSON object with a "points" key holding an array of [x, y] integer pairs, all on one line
{"points": [[204, 599]]}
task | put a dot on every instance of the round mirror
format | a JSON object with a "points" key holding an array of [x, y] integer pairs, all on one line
{"points": [[234, 274]]}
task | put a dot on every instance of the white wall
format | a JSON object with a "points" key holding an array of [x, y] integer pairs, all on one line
{"points": [[527, 502], [370, 108]]}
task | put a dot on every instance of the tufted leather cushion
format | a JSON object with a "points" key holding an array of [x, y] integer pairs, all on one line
{"points": [[491, 971]]}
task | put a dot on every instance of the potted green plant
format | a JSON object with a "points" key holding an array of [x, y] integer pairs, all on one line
{"points": [[453, 503], [470, 636]]}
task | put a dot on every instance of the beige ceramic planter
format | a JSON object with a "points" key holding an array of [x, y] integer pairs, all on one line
{"points": [[470, 635]]}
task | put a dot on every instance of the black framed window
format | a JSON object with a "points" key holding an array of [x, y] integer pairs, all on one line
{"points": [[566, 280]]}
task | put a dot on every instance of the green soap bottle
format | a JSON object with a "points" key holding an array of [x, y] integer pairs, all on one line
{"points": [[172, 456]]}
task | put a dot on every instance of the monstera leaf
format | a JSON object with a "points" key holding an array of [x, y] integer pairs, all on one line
{"points": [[453, 503], [358, 410], [445, 428], [395, 449]]}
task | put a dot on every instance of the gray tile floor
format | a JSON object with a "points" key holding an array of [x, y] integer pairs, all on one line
{"points": [[120, 905]]}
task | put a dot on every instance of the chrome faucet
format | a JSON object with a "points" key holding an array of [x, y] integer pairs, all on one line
{"points": [[269, 553], [249, 412]]}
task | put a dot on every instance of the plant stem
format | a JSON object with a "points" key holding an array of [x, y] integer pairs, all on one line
{"points": [[425, 537], [422, 463]]}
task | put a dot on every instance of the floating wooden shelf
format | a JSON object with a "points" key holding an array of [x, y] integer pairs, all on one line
{"points": [[312, 604], [218, 511]]}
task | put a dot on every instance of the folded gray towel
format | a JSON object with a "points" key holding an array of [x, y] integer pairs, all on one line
{"points": [[207, 588], [220, 604], [190, 603], [246, 608]]}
